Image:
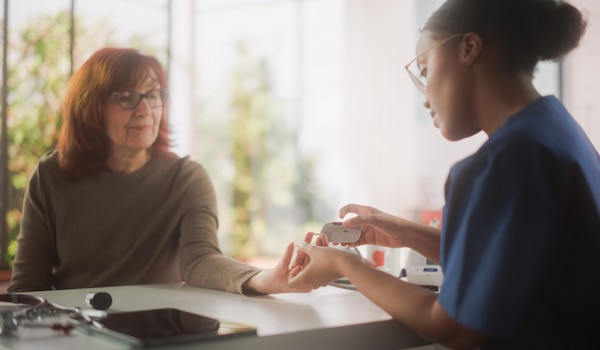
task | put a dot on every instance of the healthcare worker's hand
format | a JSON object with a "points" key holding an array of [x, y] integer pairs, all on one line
{"points": [[300, 258], [381, 228], [321, 265]]}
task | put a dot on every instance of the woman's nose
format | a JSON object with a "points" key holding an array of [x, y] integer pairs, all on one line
{"points": [[143, 106]]}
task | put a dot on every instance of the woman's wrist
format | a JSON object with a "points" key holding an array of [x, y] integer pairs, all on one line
{"points": [[254, 285]]}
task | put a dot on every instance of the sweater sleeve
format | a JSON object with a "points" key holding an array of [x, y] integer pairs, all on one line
{"points": [[32, 268], [201, 262]]}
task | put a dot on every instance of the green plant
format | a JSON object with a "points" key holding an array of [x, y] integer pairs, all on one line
{"points": [[270, 185], [252, 121], [38, 68]]}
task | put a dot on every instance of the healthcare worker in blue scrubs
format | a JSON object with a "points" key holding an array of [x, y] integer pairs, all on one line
{"points": [[520, 237]]}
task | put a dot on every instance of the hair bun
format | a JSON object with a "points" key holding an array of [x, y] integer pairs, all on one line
{"points": [[561, 28]]}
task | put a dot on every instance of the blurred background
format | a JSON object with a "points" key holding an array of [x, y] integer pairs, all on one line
{"points": [[295, 107]]}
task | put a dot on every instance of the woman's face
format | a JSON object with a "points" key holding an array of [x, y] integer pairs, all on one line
{"points": [[136, 129], [449, 86]]}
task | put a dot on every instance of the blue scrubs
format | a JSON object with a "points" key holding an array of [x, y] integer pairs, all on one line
{"points": [[521, 234]]}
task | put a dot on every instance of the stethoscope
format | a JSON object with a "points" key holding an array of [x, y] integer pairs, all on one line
{"points": [[35, 309]]}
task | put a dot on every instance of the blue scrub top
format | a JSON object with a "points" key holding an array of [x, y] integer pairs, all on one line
{"points": [[521, 234]]}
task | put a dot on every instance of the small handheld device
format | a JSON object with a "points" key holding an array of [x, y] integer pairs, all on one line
{"points": [[164, 326], [338, 233], [422, 271]]}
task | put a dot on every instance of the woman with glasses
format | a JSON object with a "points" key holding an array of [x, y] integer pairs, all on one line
{"points": [[112, 206], [520, 233]]}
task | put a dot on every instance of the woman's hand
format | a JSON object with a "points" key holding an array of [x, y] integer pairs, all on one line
{"points": [[275, 280]]}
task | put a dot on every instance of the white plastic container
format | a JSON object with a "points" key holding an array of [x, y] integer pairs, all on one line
{"points": [[385, 259]]}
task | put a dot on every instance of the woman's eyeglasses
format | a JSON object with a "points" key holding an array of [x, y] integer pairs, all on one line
{"points": [[416, 75], [130, 99]]}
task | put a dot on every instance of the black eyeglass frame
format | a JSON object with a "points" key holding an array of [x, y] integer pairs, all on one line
{"points": [[163, 94]]}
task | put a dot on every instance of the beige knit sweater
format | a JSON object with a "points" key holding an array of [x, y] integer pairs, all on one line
{"points": [[156, 225]]}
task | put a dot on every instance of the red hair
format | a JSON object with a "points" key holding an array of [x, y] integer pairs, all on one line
{"points": [[83, 145]]}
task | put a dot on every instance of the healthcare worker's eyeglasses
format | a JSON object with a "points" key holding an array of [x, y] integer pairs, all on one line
{"points": [[416, 75], [130, 99]]}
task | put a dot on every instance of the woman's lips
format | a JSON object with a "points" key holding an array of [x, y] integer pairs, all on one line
{"points": [[432, 114], [139, 127]]}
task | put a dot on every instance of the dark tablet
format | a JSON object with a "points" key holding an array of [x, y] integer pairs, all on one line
{"points": [[166, 326]]}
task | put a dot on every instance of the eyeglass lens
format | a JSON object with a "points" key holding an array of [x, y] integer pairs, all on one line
{"points": [[129, 99], [417, 78], [413, 68]]}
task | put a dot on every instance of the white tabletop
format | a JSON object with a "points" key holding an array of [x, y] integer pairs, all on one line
{"points": [[327, 318]]}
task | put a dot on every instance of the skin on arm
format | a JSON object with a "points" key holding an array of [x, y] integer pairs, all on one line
{"points": [[411, 305]]}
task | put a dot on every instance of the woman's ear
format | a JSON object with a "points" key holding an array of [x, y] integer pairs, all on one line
{"points": [[470, 47]]}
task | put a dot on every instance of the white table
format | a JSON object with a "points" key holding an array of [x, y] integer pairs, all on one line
{"points": [[327, 318]]}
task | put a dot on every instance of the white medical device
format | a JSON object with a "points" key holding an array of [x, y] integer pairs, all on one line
{"points": [[422, 271]]}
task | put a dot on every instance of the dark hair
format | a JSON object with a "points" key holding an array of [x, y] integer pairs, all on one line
{"points": [[526, 31], [83, 146]]}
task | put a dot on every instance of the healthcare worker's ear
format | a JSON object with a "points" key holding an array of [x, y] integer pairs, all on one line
{"points": [[470, 47]]}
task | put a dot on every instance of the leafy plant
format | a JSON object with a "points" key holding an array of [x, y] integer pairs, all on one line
{"points": [[38, 68], [268, 190]]}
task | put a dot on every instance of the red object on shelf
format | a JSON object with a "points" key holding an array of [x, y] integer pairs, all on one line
{"points": [[428, 217], [378, 257]]}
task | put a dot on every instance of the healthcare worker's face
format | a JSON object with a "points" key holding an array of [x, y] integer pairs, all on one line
{"points": [[448, 85]]}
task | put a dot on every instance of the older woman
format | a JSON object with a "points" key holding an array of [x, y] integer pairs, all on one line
{"points": [[112, 206]]}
